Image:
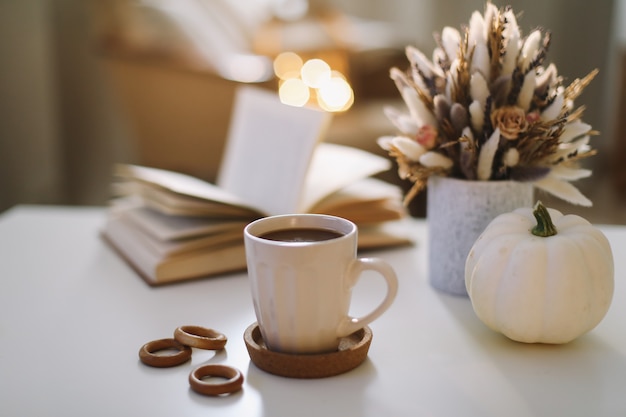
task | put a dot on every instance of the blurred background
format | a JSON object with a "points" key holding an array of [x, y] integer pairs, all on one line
{"points": [[88, 83]]}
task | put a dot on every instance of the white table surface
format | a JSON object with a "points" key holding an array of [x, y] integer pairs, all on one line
{"points": [[73, 317]]}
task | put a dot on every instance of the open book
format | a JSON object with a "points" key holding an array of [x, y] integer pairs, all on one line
{"points": [[170, 226]]}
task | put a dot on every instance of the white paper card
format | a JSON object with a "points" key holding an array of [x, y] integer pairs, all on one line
{"points": [[269, 150]]}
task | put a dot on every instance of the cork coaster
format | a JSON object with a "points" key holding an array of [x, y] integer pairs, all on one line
{"points": [[351, 353]]}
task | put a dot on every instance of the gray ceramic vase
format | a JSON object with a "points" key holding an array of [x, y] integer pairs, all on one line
{"points": [[457, 212]]}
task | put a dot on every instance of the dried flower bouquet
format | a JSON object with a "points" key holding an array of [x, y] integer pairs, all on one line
{"points": [[486, 108]]}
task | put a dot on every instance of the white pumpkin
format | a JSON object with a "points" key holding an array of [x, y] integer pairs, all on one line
{"points": [[545, 288]]}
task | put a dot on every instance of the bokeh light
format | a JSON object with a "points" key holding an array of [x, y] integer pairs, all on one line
{"points": [[335, 95], [315, 72], [287, 65], [294, 92], [311, 82]]}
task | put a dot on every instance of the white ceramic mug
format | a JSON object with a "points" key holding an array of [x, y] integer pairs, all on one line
{"points": [[302, 290]]}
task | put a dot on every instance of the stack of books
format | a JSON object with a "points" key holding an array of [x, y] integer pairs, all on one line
{"points": [[170, 226]]}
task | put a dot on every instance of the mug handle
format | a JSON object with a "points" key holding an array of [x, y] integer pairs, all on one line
{"points": [[350, 325]]}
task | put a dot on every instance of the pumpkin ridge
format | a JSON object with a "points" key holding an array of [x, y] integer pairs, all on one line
{"points": [[518, 308], [598, 250], [570, 290]]}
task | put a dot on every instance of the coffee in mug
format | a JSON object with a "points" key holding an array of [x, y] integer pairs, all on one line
{"points": [[302, 269], [301, 235]]}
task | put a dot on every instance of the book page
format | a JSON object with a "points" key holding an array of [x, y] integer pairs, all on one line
{"points": [[336, 166], [268, 151], [179, 183], [164, 227], [152, 260], [365, 201], [386, 234], [168, 202]]}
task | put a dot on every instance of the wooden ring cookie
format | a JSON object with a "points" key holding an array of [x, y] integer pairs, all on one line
{"points": [[233, 379], [200, 337], [148, 356]]}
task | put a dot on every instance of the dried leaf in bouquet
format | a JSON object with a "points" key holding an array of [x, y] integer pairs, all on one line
{"points": [[487, 106]]}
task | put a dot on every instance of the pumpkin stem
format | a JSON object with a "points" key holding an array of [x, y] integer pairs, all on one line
{"points": [[544, 227]]}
